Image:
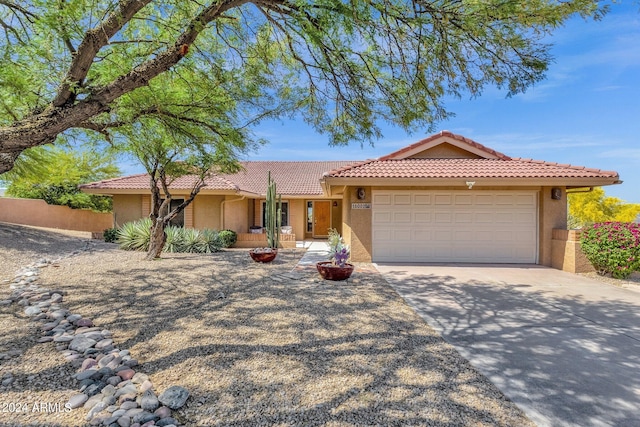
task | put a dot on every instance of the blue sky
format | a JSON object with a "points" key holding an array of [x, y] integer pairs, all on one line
{"points": [[586, 112]]}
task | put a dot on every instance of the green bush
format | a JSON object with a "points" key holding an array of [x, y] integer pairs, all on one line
{"points": [[612, 248], [227, 238], [110, 235], [135, 236]]}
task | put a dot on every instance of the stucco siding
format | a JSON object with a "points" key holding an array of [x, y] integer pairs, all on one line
{"points": [[127, 208], [206, 212], [552, 214], [236, 214]]}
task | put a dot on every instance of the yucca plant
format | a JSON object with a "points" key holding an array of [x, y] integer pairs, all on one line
{"points": [[190, 240], [175, 239], [209, 241], [135, 236]]}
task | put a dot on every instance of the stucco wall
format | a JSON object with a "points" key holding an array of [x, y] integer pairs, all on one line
{"points": [[356, 225], [566, 253], [38, 213], [127, 208], [552, 214], [236, 214], [206, 212]]}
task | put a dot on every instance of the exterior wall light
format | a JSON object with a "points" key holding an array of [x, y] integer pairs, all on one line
{"points": [[470, 184]]}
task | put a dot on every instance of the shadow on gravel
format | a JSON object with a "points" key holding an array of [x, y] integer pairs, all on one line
{"points": [[256, 347]]}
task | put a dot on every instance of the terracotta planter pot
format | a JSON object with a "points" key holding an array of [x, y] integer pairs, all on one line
{"points": [[328, 271], [263, 256]]}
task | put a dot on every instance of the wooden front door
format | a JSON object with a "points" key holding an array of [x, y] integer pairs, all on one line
{"points": [[321, 218]]}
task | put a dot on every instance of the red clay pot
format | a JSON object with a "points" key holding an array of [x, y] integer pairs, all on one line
{"points": [[328, 271], [263, 256]]}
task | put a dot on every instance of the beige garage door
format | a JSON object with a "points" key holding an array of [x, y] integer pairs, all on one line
{"points": [[459, 226]]}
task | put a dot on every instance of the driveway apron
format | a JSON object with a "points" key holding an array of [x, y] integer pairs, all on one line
{"points": [[564, 348]]}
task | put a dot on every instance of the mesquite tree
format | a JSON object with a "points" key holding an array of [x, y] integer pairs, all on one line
{"points": [[343, 66]]}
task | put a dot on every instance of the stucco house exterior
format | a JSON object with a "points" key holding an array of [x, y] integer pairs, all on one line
{"points": [[443, 199]]}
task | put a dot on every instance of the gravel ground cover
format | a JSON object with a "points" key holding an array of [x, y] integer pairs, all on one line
{"points": [[255, 344]]}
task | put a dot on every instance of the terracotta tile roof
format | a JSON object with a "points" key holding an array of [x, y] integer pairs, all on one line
{"points": [[292, 178], [466, 168], [445, 133], [141, 182]]}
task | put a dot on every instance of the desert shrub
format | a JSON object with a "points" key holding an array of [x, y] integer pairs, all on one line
{"points": [[210, 241], [613, 248], [227, 238], [135, 236], [110, 235], [175, 239]]}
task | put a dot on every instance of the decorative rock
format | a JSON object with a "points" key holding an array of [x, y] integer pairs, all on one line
{"points": [[124, 421], [139, 378], [77, 400], [56, 298], [148, 424], [63, 338], [131, 363], [129, 405], [96, 388], [98, 408], [45, 339], [166, 422], [126, 374], [88, 363], [163, 412], [86, 374], [84, 322], [129, 388], [149, 401], [103, 343], [32, 310], [109, 390], [92, 401], [73, 318], [81, 343], [114, 381], [174, 397], [146, 385], [144, 417]]}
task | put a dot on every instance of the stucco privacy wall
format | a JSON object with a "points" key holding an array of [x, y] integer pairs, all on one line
{"points": [[566, 253], [357, 223], [40, 214]]}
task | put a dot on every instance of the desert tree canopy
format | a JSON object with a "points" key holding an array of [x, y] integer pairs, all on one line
{"points": [[342, 65]]}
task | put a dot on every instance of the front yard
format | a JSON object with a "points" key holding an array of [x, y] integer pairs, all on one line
{"points": [[254, 345]]}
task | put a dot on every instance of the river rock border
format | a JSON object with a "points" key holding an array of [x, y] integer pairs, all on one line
{"points": [[114, 394]]}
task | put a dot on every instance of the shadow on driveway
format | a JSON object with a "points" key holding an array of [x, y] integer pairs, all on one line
{"points": [[566, 349]]}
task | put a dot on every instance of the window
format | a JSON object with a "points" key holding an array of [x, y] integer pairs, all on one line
{"points": [[285, 213], [309, 217], [178, 220]]}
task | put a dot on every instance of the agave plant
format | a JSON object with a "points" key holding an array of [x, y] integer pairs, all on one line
{"points": [[175, 239], [190, 240], [209, 241], [135, 236]]}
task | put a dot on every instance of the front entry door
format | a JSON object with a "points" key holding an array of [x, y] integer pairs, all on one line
{"points": [[321, 218]]}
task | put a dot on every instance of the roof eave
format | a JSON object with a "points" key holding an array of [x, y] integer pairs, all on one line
{"points": [[479, 181]]}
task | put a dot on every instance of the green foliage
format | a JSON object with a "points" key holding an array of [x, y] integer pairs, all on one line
{"points": [[53, 175], [228, 238], [110, 235], [217, 68], [273, 214], [612, 248], [135, 236], [595, 206]]}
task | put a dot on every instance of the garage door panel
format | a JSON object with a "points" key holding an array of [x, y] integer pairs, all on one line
{"points": [[422, 226]]}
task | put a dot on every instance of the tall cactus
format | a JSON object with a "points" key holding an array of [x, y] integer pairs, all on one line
{"points": [[273, 214]]}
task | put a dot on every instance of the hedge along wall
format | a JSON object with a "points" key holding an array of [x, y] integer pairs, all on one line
{"points": [[38, 213]]}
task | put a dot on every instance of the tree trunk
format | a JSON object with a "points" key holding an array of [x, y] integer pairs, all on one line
{"points": [[157, 240]]}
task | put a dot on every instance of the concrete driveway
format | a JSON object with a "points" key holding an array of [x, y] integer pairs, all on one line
{"points": [[564, 348]]}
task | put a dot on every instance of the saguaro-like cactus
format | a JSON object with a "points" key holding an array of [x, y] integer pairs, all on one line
{"points": [[273, 214]]}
